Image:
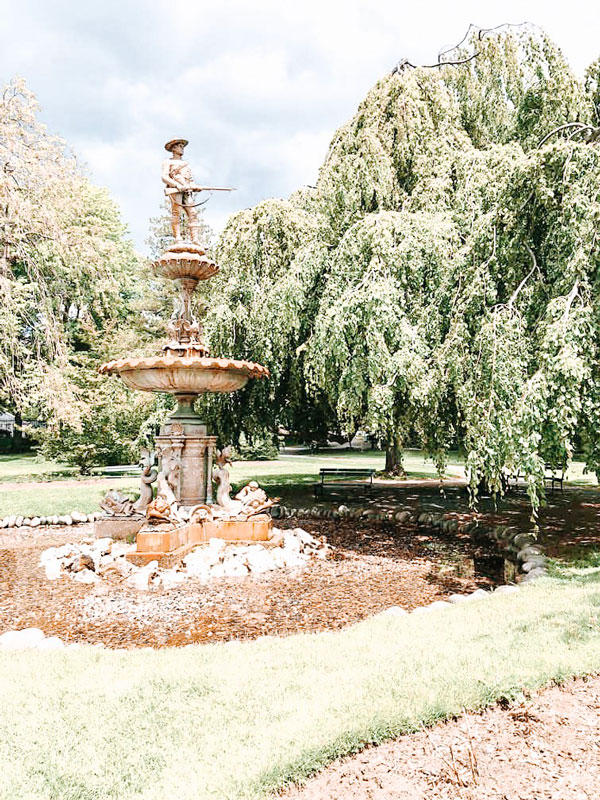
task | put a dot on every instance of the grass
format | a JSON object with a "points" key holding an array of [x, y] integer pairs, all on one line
{"points": [[240, 719], [61, 497], [28, 466], [58, 497], [52, 496]]}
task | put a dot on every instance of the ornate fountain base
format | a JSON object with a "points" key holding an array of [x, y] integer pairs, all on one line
{"points": [[168, 545], [186, 437]]}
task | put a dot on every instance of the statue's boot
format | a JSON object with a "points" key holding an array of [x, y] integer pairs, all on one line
{"points": [[195, 233]]}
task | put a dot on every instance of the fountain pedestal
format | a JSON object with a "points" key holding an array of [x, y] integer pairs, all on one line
{"points": [[186, 436]]}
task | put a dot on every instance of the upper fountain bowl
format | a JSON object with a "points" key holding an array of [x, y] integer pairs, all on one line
{"points": [[187, 375], [185, 260]]}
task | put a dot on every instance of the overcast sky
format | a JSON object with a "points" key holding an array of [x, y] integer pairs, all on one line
{"points": [[258, 87]]}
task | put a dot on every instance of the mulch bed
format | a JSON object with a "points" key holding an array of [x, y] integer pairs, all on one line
{"points": [[544, 748], [374, 566]]}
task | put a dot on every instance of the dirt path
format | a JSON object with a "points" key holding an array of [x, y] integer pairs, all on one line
{"points": [[374, 566], [545, 748]]}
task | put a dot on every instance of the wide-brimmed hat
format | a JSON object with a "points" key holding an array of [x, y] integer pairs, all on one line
{"points": [[170, 145]]}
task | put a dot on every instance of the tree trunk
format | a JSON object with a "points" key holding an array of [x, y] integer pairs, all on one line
{"points": [[393, 457], [17, 442]]}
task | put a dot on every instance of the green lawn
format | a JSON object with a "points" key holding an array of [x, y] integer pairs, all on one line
{"points": [[238, 720], [54, 496], [28, 466], [58, 497]]}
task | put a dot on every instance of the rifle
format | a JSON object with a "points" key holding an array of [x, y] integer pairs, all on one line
{"points": [[194, 188]]}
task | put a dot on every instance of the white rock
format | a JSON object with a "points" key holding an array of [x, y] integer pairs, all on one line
{"points": [[293, 558], [233, 568], [343, 509], [4, 522], [12, 521], [201, 559], [103, 546], [437, 604], [478, 594], [21, 640], [49, 554], [395, 611], [90, 518], [86, 576], [260, 560], [51, 643], [423, 610], [18, 521], [35, 522], [291, 542], [170, 578], [65, 519], [218, 571], [458, 598], [216, 544], [304, 537], [278, 556], [53, 569], [78, 516], [506, 589]]}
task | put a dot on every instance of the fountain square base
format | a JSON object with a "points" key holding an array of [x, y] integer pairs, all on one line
{"points": [[168, 545], [118, 527]]}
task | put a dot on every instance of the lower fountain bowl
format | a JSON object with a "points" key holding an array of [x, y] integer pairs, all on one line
{"points": [[189, 375]]}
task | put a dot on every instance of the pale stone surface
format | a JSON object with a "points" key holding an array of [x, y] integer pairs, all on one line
{"points": [[506, 589], [53, 569], [423, 610], [86, 576], [395, 611], [51, 643], [438, 604], [78, 516], [21, 640], [458, 598], [92, 560], [478, 594]]}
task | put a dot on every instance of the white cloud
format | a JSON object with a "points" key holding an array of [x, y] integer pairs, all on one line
{"points": [[258, 86]]}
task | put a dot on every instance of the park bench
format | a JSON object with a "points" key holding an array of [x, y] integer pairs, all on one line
{"points": [[554, 473], [342, 476]]}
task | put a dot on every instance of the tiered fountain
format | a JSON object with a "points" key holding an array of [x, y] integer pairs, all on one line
{"points": [[183, 512]]}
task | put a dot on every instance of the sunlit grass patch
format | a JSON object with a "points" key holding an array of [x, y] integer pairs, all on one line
{"points": [[237, 720]]}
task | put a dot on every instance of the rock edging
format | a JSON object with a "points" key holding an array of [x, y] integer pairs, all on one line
{"points": [[523, 548]]}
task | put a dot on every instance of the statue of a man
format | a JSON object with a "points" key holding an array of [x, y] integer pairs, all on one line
{"points": [[180, 188]]}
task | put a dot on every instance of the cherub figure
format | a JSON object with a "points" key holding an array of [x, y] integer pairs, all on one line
{"points": [[149, 475], [221, 476]]}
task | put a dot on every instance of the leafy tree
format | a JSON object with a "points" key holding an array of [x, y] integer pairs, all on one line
{"points": [[442, 277]]}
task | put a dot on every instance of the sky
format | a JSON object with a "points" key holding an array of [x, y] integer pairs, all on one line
{"points": [[257, 87]]}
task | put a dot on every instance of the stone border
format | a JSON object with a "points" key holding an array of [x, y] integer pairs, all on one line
{"points": [[520, 547], [453, 600], [33, 521]]}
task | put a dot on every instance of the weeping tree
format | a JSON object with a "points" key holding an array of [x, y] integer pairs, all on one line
{"points": [[442, 276]]}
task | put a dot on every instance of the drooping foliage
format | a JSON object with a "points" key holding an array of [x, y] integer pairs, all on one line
{"points": [[69, 277], [442, 277]]}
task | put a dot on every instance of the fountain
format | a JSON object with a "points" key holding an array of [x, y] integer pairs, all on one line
{"points": [[184, 512]]}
